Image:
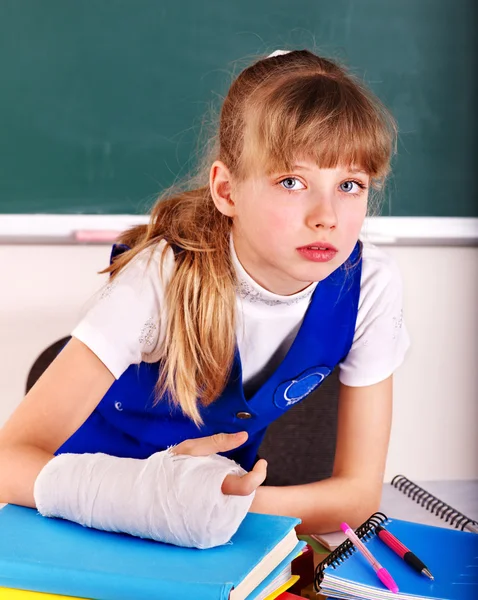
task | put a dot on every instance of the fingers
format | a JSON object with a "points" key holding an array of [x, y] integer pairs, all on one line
{"points": [[236, 485], [219, 442]]}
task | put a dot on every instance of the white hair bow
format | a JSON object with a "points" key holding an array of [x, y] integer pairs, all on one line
{"points": [[278, 53]]}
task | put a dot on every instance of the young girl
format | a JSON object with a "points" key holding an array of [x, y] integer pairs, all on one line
{"points": [[236, 300]]}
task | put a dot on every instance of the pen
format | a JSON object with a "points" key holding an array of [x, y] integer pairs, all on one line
{"points": [[403, 552], [382, 573]]}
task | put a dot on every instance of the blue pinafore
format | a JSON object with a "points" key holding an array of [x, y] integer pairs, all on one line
{"points": [[128, 423]]}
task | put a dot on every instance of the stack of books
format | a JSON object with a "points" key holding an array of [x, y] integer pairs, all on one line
{"points": [[43, 558]]}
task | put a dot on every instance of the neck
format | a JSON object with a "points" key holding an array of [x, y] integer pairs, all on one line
{"points": [[277, 286]]}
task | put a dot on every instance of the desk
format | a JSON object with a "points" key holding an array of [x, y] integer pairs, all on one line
{"points": [[307, 572], [309, 591]]}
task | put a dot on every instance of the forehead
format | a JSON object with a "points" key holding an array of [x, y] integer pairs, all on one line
{"points": [[263, 164]]}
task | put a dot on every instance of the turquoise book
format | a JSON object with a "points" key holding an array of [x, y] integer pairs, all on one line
{"points": [[60, 557], [450, 555]]}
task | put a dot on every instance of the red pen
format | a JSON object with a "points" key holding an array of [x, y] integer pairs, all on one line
{"points": [[381, 572], [403, 552]]}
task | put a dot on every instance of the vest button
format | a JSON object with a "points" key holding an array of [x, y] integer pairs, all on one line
{"points": [[243, 415]]}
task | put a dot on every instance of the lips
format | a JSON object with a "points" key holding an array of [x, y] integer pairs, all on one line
{"points": [[318, 252], [319, 246]]}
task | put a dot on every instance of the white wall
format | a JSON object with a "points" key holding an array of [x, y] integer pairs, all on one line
{"points": [[436, 390], [43, 289]]}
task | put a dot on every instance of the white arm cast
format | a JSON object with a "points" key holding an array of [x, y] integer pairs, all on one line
{"points": [[170, 498]]}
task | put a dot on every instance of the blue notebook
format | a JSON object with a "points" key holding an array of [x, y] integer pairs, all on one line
{"points": [[60, 557], [451, 556]]}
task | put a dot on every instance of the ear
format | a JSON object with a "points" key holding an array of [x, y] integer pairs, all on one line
{"points": [[220, 183]]}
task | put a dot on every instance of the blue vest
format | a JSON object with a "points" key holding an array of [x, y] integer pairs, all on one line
{"points": [[128, 423]]}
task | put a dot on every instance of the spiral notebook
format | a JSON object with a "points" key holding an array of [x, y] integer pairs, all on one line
{"points": [[451, 555], [404, 499]]}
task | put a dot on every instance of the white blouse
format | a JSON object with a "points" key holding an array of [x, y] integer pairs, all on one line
{"points": [[125, 323]]}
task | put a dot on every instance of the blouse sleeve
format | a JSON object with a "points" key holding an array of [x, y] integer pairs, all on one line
{"points": [[123, 325], [381, 339]]}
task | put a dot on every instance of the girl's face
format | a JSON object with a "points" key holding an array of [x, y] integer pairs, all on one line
{"points": [[292, 228]]}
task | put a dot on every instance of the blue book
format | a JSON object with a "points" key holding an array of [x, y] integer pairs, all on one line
{"points": [[60, 557], [450, 555]]}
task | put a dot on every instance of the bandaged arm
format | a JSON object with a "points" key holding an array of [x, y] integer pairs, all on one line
{"points": [[169, 498]]}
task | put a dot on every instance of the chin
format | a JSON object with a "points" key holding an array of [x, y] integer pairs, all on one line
{"points": [[320, 273], [306, 278]]}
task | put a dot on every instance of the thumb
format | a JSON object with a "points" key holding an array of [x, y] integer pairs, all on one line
{"points": [[243, 485]]}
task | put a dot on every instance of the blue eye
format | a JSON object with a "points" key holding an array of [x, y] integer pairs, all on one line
{"points": [[289, 184], [349, 186]]}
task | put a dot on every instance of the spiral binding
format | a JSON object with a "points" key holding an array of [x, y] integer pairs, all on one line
{"points": [[431, 503], [346, 549]]}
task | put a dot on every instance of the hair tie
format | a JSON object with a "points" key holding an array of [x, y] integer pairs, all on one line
{"points": [[278, 53]]}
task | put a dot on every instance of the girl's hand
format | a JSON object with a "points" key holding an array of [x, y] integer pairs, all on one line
{"points": [[234, 485]]}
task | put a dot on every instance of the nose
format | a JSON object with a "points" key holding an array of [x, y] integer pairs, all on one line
{"points": [[322, 214]]}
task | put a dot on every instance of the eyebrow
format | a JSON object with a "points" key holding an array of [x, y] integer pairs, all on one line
{"points": [[305, 168], [357, 171]]}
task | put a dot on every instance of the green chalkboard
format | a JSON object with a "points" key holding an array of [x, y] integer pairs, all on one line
{"points": [[102, 101]]}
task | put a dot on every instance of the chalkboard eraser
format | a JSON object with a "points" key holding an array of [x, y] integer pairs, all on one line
{"points": [[95, 235]]}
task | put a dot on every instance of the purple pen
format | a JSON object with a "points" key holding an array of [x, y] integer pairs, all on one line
{"points": [[382, 573]]}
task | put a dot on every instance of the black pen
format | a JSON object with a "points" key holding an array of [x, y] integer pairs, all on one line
{"points": [[403, 552]]}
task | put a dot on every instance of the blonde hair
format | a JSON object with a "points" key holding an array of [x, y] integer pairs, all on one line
{"points": [[278, 109]]}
